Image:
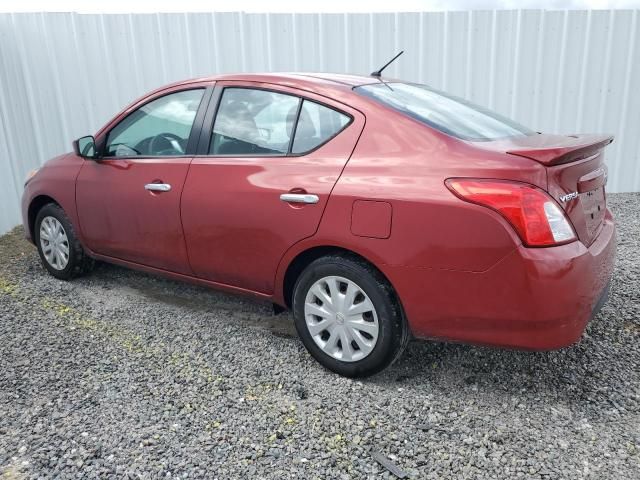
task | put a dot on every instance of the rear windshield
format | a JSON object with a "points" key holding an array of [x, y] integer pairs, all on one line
{"points": [[451, 115]]}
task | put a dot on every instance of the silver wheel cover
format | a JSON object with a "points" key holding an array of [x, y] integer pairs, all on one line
{"points": [[341, 319], [54, 243]]}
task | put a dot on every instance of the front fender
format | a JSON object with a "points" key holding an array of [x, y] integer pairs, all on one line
{"points": [[55, 181]]}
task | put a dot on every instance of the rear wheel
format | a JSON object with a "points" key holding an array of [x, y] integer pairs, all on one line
{"points": [[348, 317], [59, 248]]}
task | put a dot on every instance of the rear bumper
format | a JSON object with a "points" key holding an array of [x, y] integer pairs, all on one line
{"points": [[535, 298]]}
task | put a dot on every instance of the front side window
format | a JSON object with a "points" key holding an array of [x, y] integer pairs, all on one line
{"points": [[451, 115], [158, 128], [253, 122]]}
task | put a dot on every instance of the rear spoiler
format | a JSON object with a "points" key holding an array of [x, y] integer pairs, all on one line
{"points": [[574, 148]]}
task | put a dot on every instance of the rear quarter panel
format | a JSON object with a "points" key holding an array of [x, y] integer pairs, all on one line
{"points": [[404, 163]]}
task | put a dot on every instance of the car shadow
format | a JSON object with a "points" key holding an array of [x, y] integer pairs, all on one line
{"points": [[574, 375], [577, 378]]}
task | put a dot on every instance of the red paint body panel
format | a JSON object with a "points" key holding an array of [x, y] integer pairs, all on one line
{"points": [[119, 218], [535, 298], [460, 270], [56, 181]]}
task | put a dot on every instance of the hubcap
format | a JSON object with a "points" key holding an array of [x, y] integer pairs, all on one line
{"points": [[54, 243], [341, 319]]}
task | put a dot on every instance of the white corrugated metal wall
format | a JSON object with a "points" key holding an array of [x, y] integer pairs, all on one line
{"points": [[64, 75]]}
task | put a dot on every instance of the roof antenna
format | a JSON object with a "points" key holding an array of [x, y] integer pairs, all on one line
{"points": [[378, 73]]}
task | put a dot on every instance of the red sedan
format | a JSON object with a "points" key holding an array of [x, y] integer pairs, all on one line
{"points": [[376, 210]]}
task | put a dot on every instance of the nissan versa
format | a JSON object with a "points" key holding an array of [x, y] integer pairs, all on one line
{"points": [[376, 210]]}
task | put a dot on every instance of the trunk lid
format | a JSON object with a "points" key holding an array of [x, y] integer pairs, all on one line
{"points": [[576, 174]]}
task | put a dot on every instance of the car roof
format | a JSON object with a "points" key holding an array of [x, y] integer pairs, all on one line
{"points": [[317, 82]]}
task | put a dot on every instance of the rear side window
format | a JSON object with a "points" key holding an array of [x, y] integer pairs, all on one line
{"points": [[316, 125], [252, 122], [158, 128], [451, 115]]}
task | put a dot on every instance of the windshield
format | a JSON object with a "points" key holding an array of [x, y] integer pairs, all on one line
{"points": [[451, 115]]}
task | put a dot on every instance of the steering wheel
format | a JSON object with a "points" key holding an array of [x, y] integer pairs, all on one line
{"points": [[166, 143]]}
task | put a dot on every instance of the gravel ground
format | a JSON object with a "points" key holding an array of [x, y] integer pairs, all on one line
{"points": [[121, 374]]}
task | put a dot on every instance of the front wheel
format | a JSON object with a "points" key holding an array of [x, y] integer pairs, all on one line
{"points": [[348, 317], [59, 248]]}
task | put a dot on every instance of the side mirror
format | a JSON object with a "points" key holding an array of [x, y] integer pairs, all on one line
{"points": [[85, 147]]}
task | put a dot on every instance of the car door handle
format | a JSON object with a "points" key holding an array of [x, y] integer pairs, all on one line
{"points": [[299, 198], [157, 187]]}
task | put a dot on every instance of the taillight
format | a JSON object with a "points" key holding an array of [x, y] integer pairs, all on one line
{"points": [[535, 216]]}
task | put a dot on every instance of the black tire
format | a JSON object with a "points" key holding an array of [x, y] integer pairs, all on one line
{"points": [[79, 262], [393, 334]]}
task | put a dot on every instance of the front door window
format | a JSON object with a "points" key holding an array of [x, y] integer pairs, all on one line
{"points": [[157, 129]]}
